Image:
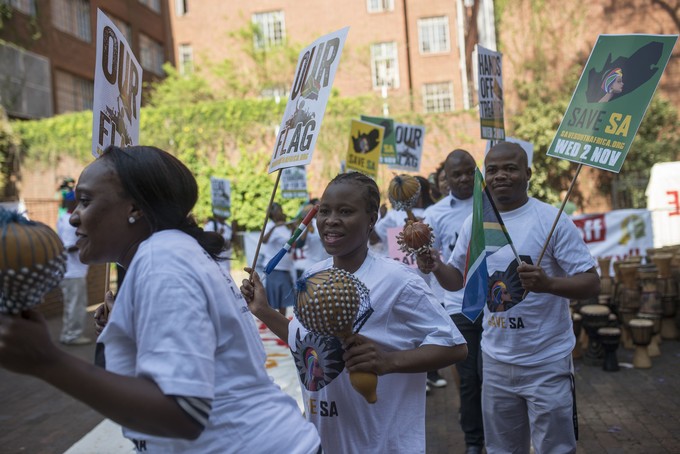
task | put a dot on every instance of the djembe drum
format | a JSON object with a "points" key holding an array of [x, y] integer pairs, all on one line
{"points": [[668, 292], [595, 316], [32, 262], [650, 303], [641, 332], [610, 342], [606, 282], [626, 339], [334, 302], [653, 348]]}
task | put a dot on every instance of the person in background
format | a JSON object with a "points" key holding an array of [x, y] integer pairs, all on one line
{"points": [[217, 223], [309, 244], [74, 285], [184, 361], [446, 219], [406, 334], [280, 290]]}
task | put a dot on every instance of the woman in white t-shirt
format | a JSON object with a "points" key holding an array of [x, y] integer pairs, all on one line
{"points": [[406, 334], [184, 363]]}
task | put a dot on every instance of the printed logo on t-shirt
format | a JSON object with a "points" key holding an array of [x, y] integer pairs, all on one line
{"points": [[505, 288], [318, 359]]}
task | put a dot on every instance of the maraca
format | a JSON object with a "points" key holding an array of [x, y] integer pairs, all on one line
{"points": [[416, 236], [333, 302], [32, 261]]}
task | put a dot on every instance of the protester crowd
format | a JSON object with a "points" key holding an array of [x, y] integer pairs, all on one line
{"points": [[182, 364]]}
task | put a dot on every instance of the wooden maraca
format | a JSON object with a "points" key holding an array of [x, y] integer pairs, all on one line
{"points": [[416, 236], [333, 302], [32, 261]]}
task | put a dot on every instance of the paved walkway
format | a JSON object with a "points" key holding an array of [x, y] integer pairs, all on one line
{"points": [[630, 411]]}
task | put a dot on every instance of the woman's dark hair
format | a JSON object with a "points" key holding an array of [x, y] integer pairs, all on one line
{"points": [[371, 193], [425, 194], [164, 189]]}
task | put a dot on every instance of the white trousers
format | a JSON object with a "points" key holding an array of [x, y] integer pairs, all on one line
{"points": [[524, 405], [75, 308]]}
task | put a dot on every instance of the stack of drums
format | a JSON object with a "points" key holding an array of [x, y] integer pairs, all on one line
{"points": [[650, 305], [595, 316], [668, 293], [627, 299], [606, 282], [641, 333]]}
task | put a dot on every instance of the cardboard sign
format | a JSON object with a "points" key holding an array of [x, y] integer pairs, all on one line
{"points": [[490, 93], [316, 67], [220, 194], [409, 141], [294, 182], [117, 89], [388, 153], [611, 99], [365, 143]]}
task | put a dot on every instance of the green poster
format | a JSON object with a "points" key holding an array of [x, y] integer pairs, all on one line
{"points": [[611, 99], [388, 154]]}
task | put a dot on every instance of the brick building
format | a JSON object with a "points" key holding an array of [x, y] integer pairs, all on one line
{"points": [[395, 48], [47, 50]]}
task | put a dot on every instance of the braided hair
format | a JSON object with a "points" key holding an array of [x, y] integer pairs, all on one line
{"points": [[371, 193]]}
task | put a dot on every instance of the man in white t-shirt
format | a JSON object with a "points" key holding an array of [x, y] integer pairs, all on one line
{"points": [[528, 389], [446, 219]]}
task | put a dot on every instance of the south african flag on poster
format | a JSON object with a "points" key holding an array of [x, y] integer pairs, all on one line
{"points": [[487, 236]]}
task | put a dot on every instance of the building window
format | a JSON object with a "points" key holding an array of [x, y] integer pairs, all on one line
{"points": [[385, 65], [270, 29], [124, 28], [378, 6], [438, 97], [181, 7], [73, 17], [151, 54], [154, 5], [186, 59], [433, 35], [25, 83], [73, 93], [25, 6]]}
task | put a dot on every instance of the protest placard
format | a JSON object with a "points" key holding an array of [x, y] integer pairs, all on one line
{"points": [[365, 143], [490, 93]]}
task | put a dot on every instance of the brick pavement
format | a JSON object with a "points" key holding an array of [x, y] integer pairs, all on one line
{"points": [[631, 411]]}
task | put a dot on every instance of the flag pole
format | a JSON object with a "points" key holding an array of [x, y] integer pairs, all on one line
{"points": [[266, 218], [557, 218]]}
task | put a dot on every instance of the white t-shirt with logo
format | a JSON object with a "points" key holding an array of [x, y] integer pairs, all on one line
{"points": [[180, 321], [538, 329], [405, 316]]}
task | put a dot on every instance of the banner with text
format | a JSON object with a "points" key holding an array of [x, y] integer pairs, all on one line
{"points": [[611, 98], [365, 143], [388, 153], [294, 182], [490, 93], [220, 195], [117, 89], [617, 234], [409, 141], [306, 105]]}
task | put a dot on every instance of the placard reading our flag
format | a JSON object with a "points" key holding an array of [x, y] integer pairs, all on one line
{"points": [[611, 99], [294, 182], [316, 67], [409, 142], [490, 93], [117, 89], [365, 143], [388, 154], [220, 194]]}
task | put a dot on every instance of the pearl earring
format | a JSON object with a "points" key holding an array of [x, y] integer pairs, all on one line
{"points": [[131, 219]]}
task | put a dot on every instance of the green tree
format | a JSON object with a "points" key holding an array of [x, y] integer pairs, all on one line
{"points": [[9, 156]]}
